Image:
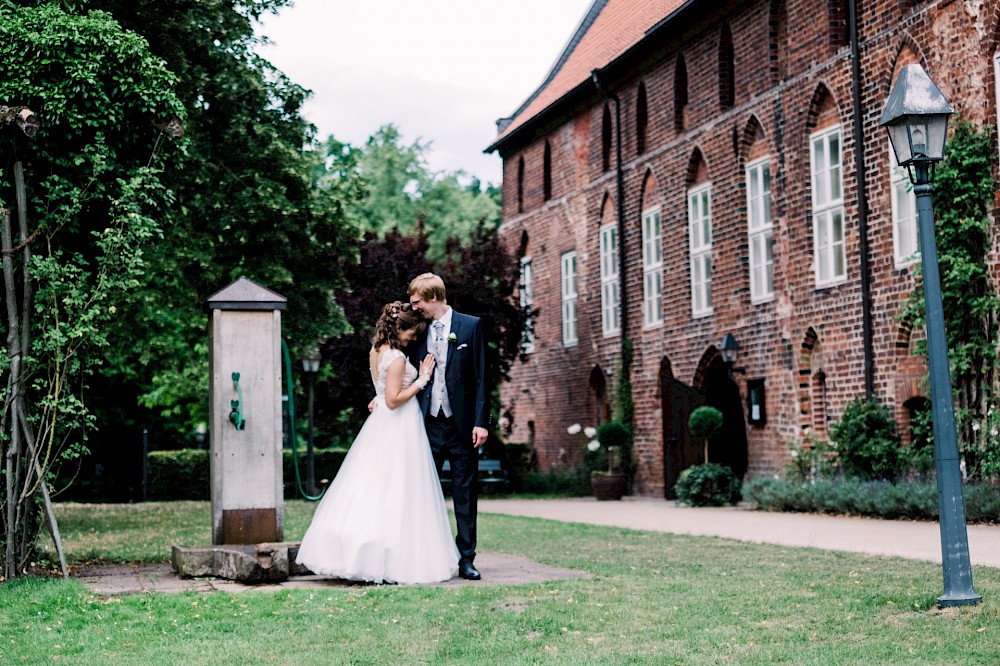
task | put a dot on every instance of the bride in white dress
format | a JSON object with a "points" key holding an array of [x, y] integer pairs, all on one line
{"points": [[384, 518]]}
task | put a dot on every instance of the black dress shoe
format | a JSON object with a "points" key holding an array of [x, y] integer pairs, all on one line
{"points": [[467, 571]]}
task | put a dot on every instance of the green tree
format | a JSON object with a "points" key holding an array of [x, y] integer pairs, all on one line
{"points": [[400, 192], [92, 205], [250, 199]]}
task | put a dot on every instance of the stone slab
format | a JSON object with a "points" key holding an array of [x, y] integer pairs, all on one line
{"points": [[118, 579], [254, 563]]}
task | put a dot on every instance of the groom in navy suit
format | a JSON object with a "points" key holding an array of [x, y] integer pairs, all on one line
{"points": [[455, 403]]}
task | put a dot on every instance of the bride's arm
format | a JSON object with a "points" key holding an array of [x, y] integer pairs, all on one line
{"points": [[395, 394]]}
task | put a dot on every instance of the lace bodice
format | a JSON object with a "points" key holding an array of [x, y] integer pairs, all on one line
{"points": [[385, 360]]}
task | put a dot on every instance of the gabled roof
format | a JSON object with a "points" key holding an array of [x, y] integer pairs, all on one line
{"points": [[245, 294], [610, 28]]}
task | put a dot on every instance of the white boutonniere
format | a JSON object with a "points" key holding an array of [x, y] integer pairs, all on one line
{"points": [[452, 338]]}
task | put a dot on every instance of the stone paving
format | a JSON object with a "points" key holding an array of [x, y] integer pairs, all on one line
{"points": [[116, 579]]}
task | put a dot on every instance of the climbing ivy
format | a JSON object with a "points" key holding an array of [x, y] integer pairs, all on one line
{"points": [[963, 198]]}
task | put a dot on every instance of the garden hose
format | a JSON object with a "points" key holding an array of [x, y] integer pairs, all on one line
{"points": [[287, 359]]}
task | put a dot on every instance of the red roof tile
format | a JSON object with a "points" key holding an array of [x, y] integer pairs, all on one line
{"points": [[618, 26]]}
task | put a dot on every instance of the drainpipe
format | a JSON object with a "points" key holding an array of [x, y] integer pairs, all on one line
{"points": [[860, 175], [620, 177]]}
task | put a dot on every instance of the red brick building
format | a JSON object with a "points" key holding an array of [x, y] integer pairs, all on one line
{"points": [[737, 208]]}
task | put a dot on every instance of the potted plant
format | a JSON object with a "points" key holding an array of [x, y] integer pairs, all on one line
{"points": [[607, 457]]}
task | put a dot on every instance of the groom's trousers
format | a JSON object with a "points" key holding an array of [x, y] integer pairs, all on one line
{"points": [[448, 444]]}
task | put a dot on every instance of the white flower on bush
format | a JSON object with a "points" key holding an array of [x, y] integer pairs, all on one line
{"points": [[589, 431], [975, 427]]}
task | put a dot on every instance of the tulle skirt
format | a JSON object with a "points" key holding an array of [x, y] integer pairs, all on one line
{"points": [[384, 518]]}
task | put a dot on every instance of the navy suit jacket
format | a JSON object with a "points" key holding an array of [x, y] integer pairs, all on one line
{"points": [[465, 374]]}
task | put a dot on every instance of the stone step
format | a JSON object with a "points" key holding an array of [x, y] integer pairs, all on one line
{"points": [[247, 563]]}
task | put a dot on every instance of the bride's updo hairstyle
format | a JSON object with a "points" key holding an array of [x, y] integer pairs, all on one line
{"points": [[396, 316]]}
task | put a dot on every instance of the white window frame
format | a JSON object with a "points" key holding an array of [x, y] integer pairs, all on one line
{"points": [[526, 291], [827, 179], [700, 249], [760, 229], [900, 193], [610, 285], [652, 267], [570, 334]]}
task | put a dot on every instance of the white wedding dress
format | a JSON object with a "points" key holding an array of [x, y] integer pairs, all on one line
{"points": [[384, 518]]}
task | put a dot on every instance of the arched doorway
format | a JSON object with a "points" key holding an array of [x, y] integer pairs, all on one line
{"points": [[729, 448], [678, 400]]}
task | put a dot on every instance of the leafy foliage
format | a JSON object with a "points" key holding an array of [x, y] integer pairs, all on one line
{"points": [[384, 269], [867, 445], [96, 90], [615, 451], [705, 422], [812, 458], [709, 484], [480, 279], [184, 474], [876, 499], [963, 200], [249, 202], [400, 193]]}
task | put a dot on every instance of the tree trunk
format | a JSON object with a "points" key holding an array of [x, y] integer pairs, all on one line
{"points": [[13, 465]]}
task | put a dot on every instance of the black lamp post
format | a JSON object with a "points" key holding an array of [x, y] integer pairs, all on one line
{"points": [[310, 366], [916, 117]]}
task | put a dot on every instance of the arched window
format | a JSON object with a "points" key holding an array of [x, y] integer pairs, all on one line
{"points": [[641, 120], [602, 411], [520, 185], [680, 94], [727, 68], [547, 172], [606, 139]]}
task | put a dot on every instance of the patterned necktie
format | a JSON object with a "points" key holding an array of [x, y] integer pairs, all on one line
{"points": [[438, 350]]}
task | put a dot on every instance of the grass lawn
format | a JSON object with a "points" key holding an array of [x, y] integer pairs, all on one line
{"points": [[653, 599]]}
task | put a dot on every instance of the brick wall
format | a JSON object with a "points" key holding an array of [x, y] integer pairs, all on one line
{"points": [[804, 330]]}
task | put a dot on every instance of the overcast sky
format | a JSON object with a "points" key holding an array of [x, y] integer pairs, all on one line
{"points": [[442, 71]]}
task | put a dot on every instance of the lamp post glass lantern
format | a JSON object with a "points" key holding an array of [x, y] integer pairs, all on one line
{"points": [[310, 366], [916, 117], [729, 349]]}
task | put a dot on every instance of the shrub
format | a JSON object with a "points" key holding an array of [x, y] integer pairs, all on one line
{"points": [[708, 485], [812, 458], [184, 474], [877, 499], [178, 475], [614, 436], [520, 461], [569, 484], [705, 422], [867, 445]]}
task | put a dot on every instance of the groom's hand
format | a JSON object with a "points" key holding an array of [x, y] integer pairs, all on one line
{"points": [[478, 437]]}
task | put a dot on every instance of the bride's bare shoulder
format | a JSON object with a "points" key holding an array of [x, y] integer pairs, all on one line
{"points": [[380, 352]]}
